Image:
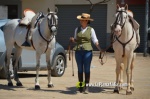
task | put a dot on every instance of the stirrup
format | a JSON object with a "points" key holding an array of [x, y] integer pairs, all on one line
{"points": [[26, 44]]}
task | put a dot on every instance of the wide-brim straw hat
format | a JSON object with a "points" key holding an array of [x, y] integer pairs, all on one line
{"points": [[85, 16]]}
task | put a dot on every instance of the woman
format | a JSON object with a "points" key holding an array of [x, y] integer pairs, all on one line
{"points": [[83, 36]]}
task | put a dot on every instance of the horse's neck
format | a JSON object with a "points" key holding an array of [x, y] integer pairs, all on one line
{"points": [[126, 31], [45, 29]]}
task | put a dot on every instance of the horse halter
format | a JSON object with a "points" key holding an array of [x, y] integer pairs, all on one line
{"points": [[119, 18], [52, 22]]}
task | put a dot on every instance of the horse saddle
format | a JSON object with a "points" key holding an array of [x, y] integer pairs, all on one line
{"points": [[29, 14], [135, 24], [136, 27], [28, 38]]}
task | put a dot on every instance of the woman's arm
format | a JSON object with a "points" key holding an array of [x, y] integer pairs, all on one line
{"points": [[94, 39], [97, 45], [73, 39]]}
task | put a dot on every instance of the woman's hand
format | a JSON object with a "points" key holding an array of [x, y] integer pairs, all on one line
{"points": [[72, 39]]}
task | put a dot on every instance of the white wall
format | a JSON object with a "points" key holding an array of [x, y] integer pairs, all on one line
{"points": [[38, 5], [110, 13], [3, 12]]}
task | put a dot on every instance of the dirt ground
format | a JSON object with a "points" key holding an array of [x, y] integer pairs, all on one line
{"points": [[65, 86]]}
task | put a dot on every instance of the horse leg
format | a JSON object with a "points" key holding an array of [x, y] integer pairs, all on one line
{"points": [[116, 90], [50, 84], [122, 71], [7, 63], [37, 85], [15, 65], [121, 76], [131, 79], [128, 72]]}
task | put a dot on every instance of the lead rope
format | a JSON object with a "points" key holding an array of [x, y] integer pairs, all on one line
{"points": [[72, 64], [69, 48], [101, 56]]}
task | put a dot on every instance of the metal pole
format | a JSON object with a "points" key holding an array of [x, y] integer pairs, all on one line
{"points": [[146, 27]]}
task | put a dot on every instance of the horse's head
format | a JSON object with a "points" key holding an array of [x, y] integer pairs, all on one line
{"points": [[121, 17], [52, 20]]}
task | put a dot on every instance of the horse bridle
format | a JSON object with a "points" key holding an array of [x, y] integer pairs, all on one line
{"points": [[52, 23], [120, 19]]}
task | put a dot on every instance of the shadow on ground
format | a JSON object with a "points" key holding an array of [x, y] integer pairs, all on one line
{"points": [[71, 90], [28, 75], [12, 88]]}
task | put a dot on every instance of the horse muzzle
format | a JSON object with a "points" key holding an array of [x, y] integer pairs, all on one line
{"points": [[117, 30], [54, 29]]}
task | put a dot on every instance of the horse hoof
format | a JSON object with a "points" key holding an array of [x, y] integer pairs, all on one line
{"points": [[10, 84], [50, 85], [116, 91], [12, 76], [128, 92], [132, 88], [37, 87], [120, 88], [19, 84]]}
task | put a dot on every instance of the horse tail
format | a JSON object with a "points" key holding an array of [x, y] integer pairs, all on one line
{"points": [[2, 27], [9, 33]]}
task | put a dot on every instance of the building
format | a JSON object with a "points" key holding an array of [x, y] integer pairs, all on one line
{"points": [[103, 15]]}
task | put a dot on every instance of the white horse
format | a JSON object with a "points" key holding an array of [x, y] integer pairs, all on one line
{"points": [[43, 30], [125, 41]]}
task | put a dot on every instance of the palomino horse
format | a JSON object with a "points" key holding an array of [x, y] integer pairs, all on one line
{"points": [[43, 31], [124, 43]]}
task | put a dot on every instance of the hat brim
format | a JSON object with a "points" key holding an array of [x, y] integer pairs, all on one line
{"points": [[80, 18]]}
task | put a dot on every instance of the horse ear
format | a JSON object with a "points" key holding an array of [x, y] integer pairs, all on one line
{"points": [[118, 6], [48, 10], [56, 9], [126, 7]]}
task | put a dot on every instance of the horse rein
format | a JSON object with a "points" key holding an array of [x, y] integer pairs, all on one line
{"points": [[50, 24], [69, 48], [122, 25], [102, 54], [68, 51], [40, 16]]}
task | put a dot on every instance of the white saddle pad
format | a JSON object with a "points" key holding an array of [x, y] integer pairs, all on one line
{"points": [[29, 14]]}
